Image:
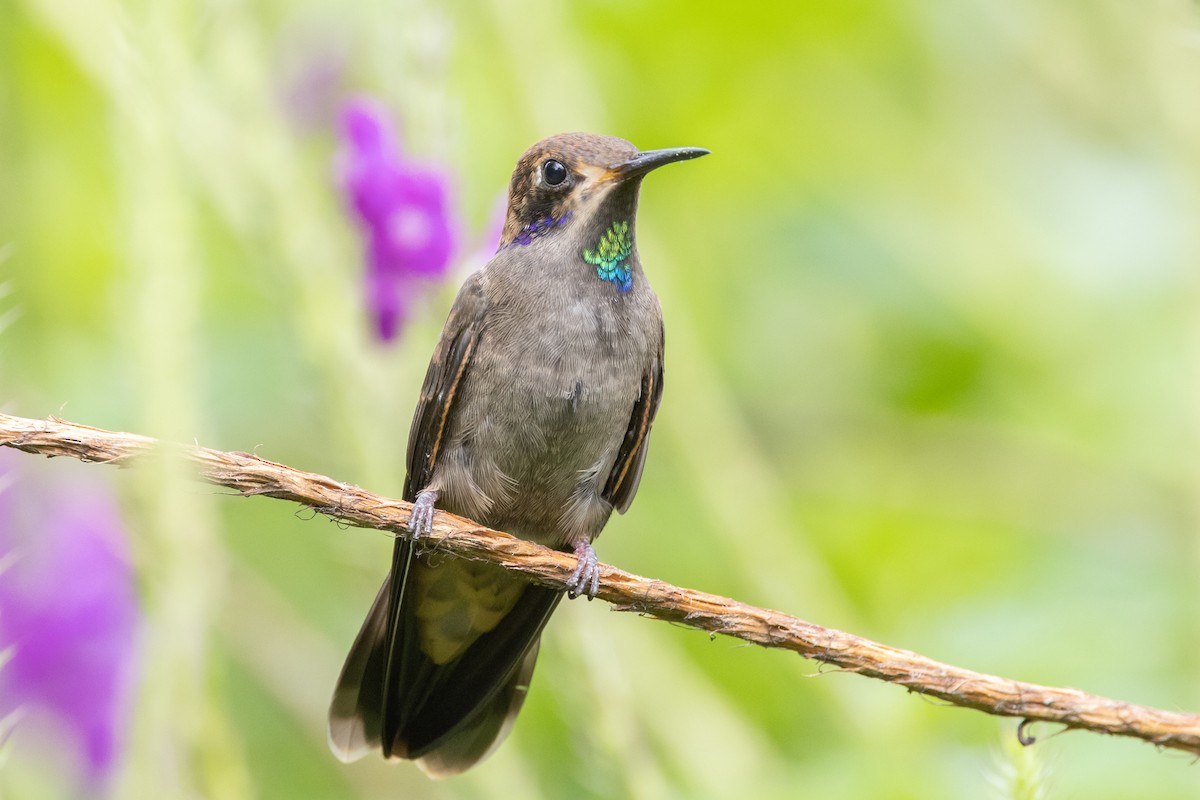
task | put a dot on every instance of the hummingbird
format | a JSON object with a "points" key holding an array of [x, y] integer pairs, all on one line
{"points": [[533, 419]]}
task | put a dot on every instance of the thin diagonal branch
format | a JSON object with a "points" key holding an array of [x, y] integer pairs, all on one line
{"points": [[251, 475]]}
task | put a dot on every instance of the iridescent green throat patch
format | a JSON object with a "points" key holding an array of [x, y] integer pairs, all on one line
{"points": [[611, 256]]}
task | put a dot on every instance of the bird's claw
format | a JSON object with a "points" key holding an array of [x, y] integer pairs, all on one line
{"points": [[585, 579], [420, 520]]}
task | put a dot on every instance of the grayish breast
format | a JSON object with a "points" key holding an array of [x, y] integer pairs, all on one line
{"points": [[552, 385]]}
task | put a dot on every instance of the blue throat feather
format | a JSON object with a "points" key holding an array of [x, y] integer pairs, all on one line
{"points": [[540, 228]]}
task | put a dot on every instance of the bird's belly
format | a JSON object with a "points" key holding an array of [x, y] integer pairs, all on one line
{"points": [[558, 446], [545, 428]]}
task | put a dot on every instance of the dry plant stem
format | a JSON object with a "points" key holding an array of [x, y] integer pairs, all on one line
{"points": [[251, 475]]}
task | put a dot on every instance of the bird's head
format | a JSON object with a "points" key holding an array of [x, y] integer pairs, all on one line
{"points": [[583, 181]]}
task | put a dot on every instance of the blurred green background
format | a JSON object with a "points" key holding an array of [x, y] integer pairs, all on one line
{"points": [[933, 369]]}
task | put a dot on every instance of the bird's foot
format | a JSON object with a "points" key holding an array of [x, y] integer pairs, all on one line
{"points": [[420, 520], [586, 577]]}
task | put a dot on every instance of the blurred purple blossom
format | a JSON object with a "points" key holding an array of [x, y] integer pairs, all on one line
{"points": [[68, 614], [403, 210], [313, 74]]}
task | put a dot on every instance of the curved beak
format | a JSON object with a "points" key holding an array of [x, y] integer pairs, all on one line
{"points": [[652, 159]]}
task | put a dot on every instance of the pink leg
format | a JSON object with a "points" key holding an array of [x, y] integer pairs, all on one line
{"points": [[420, 521], [586, 577]]}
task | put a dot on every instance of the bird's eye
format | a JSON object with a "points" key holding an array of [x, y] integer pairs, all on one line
{"points": [[553, 172]]}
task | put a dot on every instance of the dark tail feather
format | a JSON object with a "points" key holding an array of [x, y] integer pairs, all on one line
{"points": [[483, 732], [390, 696], [356, 713]]}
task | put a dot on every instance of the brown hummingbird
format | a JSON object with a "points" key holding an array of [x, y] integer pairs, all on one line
{"points": [[533, 419]]}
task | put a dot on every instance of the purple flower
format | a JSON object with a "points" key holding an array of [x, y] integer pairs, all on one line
{"points": [[403, 210], [68, 615], [314, 63]]}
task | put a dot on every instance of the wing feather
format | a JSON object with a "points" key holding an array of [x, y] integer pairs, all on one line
{"points": [[626, 471], [449, 365]]}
